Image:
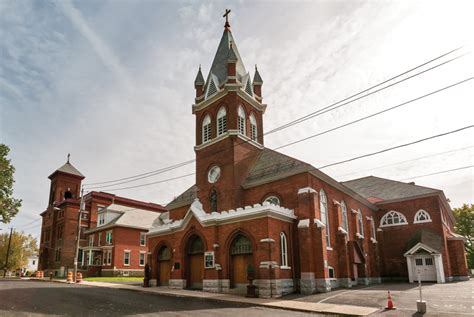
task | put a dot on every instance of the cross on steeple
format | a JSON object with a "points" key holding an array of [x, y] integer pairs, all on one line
{"points": [[68, 156], [226, 16]]}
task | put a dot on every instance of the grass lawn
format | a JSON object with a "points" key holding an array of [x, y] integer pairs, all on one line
{"points": [[114, 279]]}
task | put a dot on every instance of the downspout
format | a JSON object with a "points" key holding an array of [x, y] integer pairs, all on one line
{"points": [[292, 258]]}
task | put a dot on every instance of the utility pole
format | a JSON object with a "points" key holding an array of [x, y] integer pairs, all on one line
{"points": [[8, 253], [78, 238]]}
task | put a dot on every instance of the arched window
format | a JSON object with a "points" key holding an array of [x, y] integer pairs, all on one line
{"points": [[422, 216], [283, 250], [360, 222], [393, 218], [213, 200], [345, 223], [373, 231], [323, 207], [221, 121], [241, 245], [206, 129], [273, 200], [241, 120], [253, 127]]}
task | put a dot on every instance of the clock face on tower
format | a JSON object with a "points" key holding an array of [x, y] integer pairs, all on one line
{"points": [[214, 174]]}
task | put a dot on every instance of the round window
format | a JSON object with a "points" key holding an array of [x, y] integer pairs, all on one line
{"points": [[273, 200], [214, 174]]}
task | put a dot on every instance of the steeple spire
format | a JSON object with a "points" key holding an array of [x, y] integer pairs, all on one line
{"points": [[199, 78]]}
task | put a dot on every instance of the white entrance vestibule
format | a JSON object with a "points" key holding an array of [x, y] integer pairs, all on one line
{"points": [[425, 262]]}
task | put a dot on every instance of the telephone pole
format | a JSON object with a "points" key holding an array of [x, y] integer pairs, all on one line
{"points": [[8, 253], [78, 238]]}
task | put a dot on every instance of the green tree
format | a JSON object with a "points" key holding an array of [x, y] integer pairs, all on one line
{"points": [[8, 205], [22, 246], [465, 227]]}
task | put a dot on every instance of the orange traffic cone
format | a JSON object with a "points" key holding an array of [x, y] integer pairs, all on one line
{"points": [[390, 302]]}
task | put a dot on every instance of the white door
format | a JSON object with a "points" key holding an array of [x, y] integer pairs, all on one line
{"points": [[425, 266]]}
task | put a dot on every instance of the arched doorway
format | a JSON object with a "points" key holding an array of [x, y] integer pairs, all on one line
{"points": [[195, 262], [164, 266], [240, 258]]}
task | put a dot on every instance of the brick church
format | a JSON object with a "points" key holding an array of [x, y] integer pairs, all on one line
{"points": [[256, 212]]}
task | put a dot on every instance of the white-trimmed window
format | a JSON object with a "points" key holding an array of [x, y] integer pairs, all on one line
{"points": [[91, 240], [241, 120], [221, 121], [107, 260], [142, 238], [108, 237], [141, 260], [373, 231], [101, 219], [253, 127], [345, 222], [323, 207], [393, 218], [422, 216], [332, 273], [206, 129], [274, 200], [126, 258], [360, 223], [283, 250]]}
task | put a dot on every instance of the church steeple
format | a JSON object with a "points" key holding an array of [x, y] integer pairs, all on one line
{"points": [[65, 183]]}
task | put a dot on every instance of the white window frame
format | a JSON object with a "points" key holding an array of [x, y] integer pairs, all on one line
{"points": [[143, 238], [420, 213], [101, 219], [384, 220], [142, 254], [323, 208], [330, 268], [91, 240], [221, 121], [360, 224], [253, 127], [274, 200], [345, 220], [373, 229], [125, 252], [241, 117], [108, 241], [206, 129], [283, 251]]}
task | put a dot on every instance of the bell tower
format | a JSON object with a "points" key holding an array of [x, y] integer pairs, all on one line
{"points": [[65, 183], [229, 125]]}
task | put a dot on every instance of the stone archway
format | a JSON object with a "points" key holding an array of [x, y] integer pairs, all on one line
{"points": [[241, 256], [194, 262], [164, 266]]}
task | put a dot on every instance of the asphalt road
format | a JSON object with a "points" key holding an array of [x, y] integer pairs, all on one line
{"points": [[32, 298]]}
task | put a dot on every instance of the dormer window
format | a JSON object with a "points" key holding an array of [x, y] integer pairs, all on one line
{"points": [[253, 127], [241, 120], [101, 219], [206, 129], [221, 121]]}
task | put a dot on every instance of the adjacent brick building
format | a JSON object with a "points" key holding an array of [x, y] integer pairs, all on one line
{"points": [[60, 224], [256, 212]]}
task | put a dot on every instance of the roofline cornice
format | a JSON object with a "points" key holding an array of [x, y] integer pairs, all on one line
{"points": [[224, 92], [383, 202]]}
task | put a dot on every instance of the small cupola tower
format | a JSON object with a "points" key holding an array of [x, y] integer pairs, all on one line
{"points": [[199, 84], [257, 85], [65, 183]]}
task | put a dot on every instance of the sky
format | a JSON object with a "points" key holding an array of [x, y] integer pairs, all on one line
{"points": [[111, 82]]}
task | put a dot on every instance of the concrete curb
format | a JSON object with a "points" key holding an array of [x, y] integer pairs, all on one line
{"points": [[290, 305]]}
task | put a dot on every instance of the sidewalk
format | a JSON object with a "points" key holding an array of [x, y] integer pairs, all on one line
{"points": [[294, 305]]}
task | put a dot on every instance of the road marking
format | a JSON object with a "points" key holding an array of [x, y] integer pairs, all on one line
{"points": [[354, 290]]}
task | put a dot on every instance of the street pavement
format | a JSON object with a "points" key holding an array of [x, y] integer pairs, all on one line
{"points": [[33, 298]]}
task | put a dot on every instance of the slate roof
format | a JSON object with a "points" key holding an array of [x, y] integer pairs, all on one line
{"points": [[219, 65], [186, 198], [426, 237], [199, 78], [257, 79], [69, 169], [377, 189]]}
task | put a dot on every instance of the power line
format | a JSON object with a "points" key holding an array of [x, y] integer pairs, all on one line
{"points": [[436, 173], [406, 161], [332, 164], [304, 118], [397, 147], [30, 223]]}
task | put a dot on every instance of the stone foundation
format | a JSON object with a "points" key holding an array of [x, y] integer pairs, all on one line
{"points": [[307, 283], [363, 281], [274, 288], [216, 286], [124, 273], [460, 278], [323, 285], [177, 283]]}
